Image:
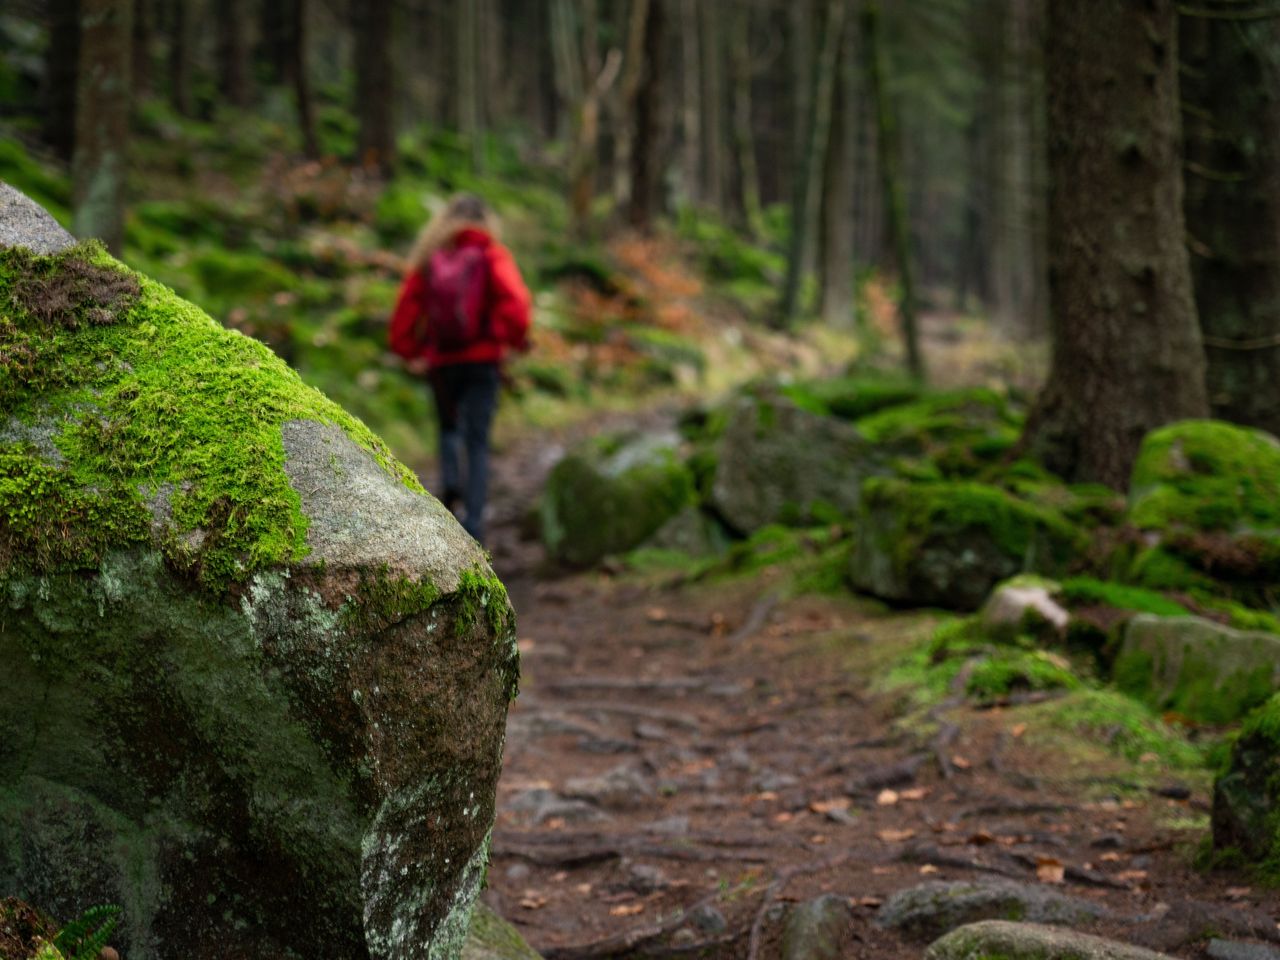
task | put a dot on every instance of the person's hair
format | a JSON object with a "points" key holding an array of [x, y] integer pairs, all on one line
{"points": [[462, 211]]}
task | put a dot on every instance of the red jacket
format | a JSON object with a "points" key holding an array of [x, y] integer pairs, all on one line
{"points": [[509, 302]]}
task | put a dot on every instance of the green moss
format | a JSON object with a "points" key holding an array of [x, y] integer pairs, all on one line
{"points": [[1122, 724], [1086, 591], [961, 431], [1007, 672], [1157, 568], [1207, 475], [147, 402], [852, 398], [1237, 615]]}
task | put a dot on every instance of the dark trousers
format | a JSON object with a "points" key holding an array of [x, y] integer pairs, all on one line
{"points": [[466, 397]]}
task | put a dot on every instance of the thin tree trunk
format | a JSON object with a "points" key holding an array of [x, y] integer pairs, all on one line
{"points": [[714, 141], [837, 261], [1231, 93], [102, 120], [62, 62], [584, 159], [468, 82], [375, 86], [744, 144], [633, 74], [646, 146], [1127, 356], [300, 76], [691, 112], [141, 49], [233, 52], [890, 162], [181, 56]]}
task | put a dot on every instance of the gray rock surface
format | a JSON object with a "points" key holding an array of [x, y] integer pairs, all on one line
{"points": [[1237, 950], [1029, 941], [1021, 605], [492, 938], [818, 929], [931, 909], [24, 223]]}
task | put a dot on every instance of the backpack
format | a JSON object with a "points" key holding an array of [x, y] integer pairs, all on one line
{"points": [[457, 299]]}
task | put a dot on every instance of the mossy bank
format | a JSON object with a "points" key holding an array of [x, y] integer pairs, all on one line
{"points": [[256, 679]]}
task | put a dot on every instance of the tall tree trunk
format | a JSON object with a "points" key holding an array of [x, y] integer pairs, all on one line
{"points": [[141, 49], [744, 144], [300, 75], [468, 81], [584, 158], [1030, 16], [691, 110], [807, 187], [836, 231], [647, 147], [233, 52], [62, 63], [1232, 95], [1126, 348], [375, 86], [181, 56], [102, 120], [714, 142], [634, 67], [890, 162]]}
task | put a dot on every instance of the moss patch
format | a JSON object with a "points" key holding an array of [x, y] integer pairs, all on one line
{"points": [[157, 410], [1246, 800]]}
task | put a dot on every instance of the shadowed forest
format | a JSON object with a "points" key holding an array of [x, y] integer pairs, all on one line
{"points": [[878, 553]]}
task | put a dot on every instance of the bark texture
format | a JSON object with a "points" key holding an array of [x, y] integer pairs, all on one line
{"points": [[62, 62], [375, 85], [1126, 349], [102, 120], [647, 147]]}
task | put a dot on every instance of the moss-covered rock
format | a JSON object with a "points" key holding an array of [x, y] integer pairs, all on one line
{"points": [[611, 494], [778, 463], [255, 680], [1207, 494], [1194, 667], [948, 544], [1246, 795], [931, 909], [1003, 940], [492, 938]]}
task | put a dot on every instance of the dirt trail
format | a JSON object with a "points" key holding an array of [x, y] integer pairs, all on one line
{"points": [[682, 760]]}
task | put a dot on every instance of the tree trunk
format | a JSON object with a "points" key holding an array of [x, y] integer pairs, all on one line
{"points": [[102, 120], [646, 146], [62, 62], [299, 75], [807, 187], [714, 141], [744, 144], [233, 52], [633, 74], [890, 162], [691, 111], [1127, 356], [181, 56], [141, 49], [468, 81], [1231, 93], [836, 231], [375, 86]]}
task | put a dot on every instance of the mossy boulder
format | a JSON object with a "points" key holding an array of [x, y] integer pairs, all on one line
{"points": [[929, 910], [1199, 669], [256, 680], [776, 462], [1246, 795], [1207, 496], [492, 938], [948, 544], [611, 494], [1004, 940]]}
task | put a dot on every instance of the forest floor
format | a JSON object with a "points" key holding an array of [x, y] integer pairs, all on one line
{"points": [[729, 745]]}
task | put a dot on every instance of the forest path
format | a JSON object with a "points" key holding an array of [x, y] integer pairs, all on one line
{"points": [[721, 746]]}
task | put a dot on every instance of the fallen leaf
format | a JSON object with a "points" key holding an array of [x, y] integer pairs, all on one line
{"points": [[1050, 870], [887, 798], [626, 910], [830, 806], [960, 763], [1149, 758], [533, 901], [1112, 857], [783, 817], [981, 838], [656, 614], [928, 868], [915, 793], [891, 835], [583, 888], [560, 876], [1133, 877], [818, 838], [1017, 730], [554, 823], [870, 902], [1237, 893]]}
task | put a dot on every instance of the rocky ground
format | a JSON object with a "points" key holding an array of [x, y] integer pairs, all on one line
{"points": [[712, 769]]}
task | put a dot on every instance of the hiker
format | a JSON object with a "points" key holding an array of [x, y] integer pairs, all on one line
{"points": [[462, 307]]}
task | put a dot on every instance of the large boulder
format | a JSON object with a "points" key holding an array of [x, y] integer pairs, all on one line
{"points": [[948, 544], [1196, 668], [1206, 496], [611, 494], [1246, 795], [492, 938], [255, 680], [929, 910], [778, 463]]}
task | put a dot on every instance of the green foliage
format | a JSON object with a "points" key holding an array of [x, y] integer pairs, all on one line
{"points": [[1087, 592], [84, 938], [1006, 672], [853, 397], [1123, 725]]}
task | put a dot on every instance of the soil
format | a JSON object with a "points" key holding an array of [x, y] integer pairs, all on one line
{"points": [[723, 745]]}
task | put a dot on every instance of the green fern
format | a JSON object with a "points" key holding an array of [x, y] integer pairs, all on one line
{"points": [[83, 939]]}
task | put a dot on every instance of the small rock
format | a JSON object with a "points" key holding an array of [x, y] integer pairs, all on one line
{"points": [[622, 788], [645, 878], [542, 805], [670, 826], [931, 909], [1236, 950], [1030, 941], [518, 872], [819, 929], [607, 745], [1023, 604], [1108, 841], [707, 920], [772, 780], [652, 731]]}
